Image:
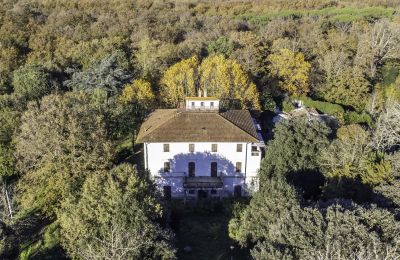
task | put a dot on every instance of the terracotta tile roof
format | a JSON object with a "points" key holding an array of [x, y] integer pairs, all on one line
{"points": [[173, 125]]}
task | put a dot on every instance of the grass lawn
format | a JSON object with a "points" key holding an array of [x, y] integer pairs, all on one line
{"points": [[204, 227]]}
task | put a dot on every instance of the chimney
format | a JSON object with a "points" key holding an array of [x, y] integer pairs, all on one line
{"points": [[205, 92]]}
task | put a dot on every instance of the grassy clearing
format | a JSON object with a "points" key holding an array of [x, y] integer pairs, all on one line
{"points": [[333, 14]]}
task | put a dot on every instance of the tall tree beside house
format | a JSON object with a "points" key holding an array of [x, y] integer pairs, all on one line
{"points": [[220, 77], [227, 80], [61, 141], [115, 217], [291, 70], [179, 81], [295, 147], [275, 225]]}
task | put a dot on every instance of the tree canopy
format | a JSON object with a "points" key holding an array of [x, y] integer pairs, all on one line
{"points": [[216, 75]]}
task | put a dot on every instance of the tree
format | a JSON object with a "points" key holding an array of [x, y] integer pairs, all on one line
{"points": [[179, 81], [291, 70], [226, 79], [139, 92], [218, 76], [222, 45], [115, 217], [295, 147], [377, 46], [387, 132], [276, 225], [348, 87], [62, 140], [351, 166], [105, 75], [31, 82], [8, 62]]}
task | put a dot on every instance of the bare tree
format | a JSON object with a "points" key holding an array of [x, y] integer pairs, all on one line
{"points": [[378, 45], [333, 251], [387, 132]]}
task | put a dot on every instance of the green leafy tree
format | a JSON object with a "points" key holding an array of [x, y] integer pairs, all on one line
{"points": [[31, 82], [275, 226], [61, 141], [295, 146], [349, 88], [115, 217], [222, 45]]}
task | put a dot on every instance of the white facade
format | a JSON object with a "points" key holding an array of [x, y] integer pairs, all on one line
{"points": [[202, 103], [235, 164]]}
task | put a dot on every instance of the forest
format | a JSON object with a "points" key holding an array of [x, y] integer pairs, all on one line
{"points": [[78, 77]]}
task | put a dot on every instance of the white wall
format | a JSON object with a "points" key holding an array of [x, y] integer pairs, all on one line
{"points": [[206, 104], [179, 157]]}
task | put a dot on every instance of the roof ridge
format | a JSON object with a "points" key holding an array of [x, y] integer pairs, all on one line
{"points": [[220, 114]]}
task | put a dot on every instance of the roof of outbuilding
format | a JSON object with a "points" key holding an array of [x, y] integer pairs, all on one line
{"points": [[175, 125]]}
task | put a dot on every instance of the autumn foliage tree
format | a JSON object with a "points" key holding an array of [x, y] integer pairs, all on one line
{"points": [[220, 77], [291, 70]]}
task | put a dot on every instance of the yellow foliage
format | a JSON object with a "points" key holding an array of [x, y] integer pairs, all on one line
{"points": [[292, 70], [179, 81], [222, 78], [139, 91]]}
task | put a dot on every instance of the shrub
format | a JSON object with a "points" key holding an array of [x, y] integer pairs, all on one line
{"points": [[352, 117]]}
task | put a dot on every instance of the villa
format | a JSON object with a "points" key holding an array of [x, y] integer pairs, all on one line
{"points": [[200, 151]]}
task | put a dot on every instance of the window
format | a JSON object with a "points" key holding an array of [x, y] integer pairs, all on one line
{"points": [[167, 192], [211, 104], [192, 169], [214, 148], [167, 167], [193, 104], [239, 148], [254, 151], [191, 148], [192, 192], [166, 148], [213, 192], [238, 167], [202, 104]]}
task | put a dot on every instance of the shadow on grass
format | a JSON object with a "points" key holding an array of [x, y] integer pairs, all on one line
{"points": [[203, 226]]}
